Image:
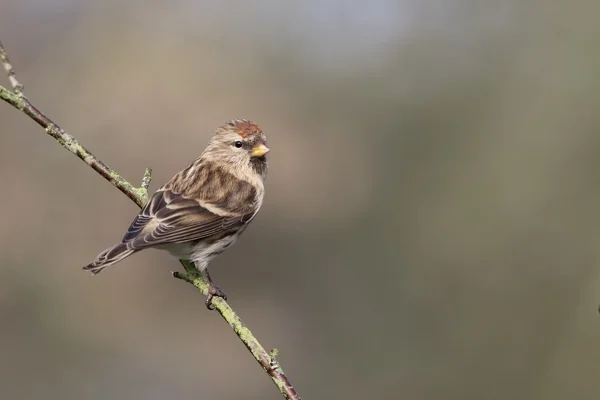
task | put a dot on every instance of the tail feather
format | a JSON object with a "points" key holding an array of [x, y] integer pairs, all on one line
{"points": [[109, 257]]}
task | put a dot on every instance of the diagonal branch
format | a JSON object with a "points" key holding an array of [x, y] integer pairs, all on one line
{"points": [[19, 101], [266, 360], [12, 77], [139, 196]]}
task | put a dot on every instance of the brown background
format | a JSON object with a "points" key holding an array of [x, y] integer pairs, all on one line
{"points": [[430, 229]]}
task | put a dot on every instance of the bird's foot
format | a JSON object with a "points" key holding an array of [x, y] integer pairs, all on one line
{"points": [[214, 290]]}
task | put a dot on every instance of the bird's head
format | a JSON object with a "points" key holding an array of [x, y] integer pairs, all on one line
{"points": [[241, 144]]}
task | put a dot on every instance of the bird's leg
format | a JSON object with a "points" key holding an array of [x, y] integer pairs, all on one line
{"points": [[213, 290]]}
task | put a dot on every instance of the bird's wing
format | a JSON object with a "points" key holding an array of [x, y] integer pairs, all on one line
{"points": [[172, 218]]}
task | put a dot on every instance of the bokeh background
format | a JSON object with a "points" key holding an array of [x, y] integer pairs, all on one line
{"points": [[431, 226]]}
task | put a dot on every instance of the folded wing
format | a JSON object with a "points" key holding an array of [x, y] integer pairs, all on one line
{"points": [[171, 218]]}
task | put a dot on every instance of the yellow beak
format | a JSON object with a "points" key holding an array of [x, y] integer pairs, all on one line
{"points": [[259, 150]]}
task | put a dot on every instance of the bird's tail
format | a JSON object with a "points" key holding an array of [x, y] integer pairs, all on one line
{"points": [[109, 257]]}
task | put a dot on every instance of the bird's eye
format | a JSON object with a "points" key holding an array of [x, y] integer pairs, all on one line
{"points": [[238, 144]]}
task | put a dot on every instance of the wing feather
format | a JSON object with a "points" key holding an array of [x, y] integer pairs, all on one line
{"points": [[178, 223], [172, 217]]}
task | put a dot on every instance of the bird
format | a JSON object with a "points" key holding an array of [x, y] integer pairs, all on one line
{"points": [[204, 208]]}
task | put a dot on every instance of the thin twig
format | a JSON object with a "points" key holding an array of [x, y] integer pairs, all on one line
{"points": [[266, 360], [12, 77], [140, 196], [146, 179]]}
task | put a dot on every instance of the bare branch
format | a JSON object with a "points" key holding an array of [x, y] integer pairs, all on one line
{"points": [[266, 360], [140, 196], [12, 77], [70, 143]]}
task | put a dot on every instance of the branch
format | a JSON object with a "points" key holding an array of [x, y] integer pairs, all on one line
{"points": [[139, 196], [19, 101], [266, 360]]}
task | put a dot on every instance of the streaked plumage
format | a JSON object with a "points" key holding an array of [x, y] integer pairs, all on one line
{"points": [[203, 209]]}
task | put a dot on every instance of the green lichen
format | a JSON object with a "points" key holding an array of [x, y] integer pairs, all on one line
{"points": [[115, 176], [142, 195]]}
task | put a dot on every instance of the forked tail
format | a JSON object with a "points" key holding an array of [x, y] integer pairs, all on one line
{"points": [[109, 257]]}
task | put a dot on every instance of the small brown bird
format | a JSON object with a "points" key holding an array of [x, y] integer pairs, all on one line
{"points": [[203, 209]]}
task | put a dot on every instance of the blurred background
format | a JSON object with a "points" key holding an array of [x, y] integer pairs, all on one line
{"points": [[431, 224]]}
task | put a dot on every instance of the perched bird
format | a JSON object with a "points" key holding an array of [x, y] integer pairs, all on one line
{"points": [[203, 209]]}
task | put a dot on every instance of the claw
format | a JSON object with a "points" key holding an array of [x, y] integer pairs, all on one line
{"points": [[213, 291]]}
